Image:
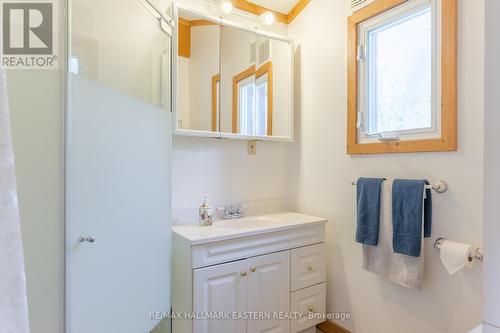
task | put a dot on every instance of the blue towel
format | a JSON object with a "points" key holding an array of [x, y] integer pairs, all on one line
{"points": [[407, 201], [368, 201]]}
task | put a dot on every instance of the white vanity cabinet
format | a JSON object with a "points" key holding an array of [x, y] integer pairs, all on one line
{"points": [[260, 272], [256, 284]]}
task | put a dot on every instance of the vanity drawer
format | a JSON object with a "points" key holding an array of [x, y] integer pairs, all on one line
{"points": [[251, 246], [307, 301], [307, 266]]}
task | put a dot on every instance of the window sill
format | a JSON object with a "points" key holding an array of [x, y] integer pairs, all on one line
{"points": [[410, 146]]}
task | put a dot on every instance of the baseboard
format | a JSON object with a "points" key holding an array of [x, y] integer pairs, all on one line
{"points": [[331, 327]]}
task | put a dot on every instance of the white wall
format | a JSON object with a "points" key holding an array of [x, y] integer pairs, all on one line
{"points": [[224, 170], [282, 93], [323, 171], [492, 165], [203, 64], [37, 127], [36, 107]]}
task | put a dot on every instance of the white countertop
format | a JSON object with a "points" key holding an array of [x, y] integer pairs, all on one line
{"points": [[243, 227]]}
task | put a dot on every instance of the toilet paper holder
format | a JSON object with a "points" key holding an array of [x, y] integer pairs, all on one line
{"points": [[476, 254]]}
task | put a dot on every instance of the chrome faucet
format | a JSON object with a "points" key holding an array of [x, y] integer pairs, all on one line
{"points": [[233, 212]]}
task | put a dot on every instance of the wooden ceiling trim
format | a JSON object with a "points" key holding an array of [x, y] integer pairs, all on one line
{"points": [[258, 10], [299, 7], [250, 7], [195, 23]]}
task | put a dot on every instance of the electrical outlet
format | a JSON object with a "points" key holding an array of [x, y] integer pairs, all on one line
{"points": [[252, 147]]}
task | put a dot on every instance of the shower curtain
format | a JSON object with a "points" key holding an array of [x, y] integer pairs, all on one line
{"points": [[13, 301]]}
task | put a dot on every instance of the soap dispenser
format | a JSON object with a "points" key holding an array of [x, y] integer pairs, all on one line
{"points": [[206, 212]]}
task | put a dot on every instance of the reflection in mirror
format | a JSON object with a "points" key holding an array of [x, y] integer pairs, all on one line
{"points": [[238, 67], [198, 72], [255, 84]]}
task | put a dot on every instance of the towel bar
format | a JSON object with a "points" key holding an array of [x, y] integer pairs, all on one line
{"points": [[477, 254], [440, 186]]}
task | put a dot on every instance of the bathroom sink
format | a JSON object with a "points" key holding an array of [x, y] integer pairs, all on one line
{"points": [[247, 226], [253, 222]]}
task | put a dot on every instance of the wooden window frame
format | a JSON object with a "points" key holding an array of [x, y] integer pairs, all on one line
{"points": [[215, 80], [448, 38], [267, 68]]}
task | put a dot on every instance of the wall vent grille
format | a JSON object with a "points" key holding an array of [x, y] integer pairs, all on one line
{"points": [[356, 3], [253, 53], [264, 52]]}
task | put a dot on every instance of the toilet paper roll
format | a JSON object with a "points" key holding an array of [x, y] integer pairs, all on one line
{"points": [[455, 256]]}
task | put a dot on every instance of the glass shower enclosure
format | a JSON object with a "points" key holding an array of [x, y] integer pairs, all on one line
{"points": [[118, 132]]}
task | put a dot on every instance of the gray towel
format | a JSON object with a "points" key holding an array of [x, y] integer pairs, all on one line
{"points": [[408, 209], [401, 269], [368, 207]]}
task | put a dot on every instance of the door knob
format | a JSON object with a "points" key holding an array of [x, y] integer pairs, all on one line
{"points": [[243, 274], [89, 239], [253, 269]]}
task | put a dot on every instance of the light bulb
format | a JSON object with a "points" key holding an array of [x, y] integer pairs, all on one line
{"points": [[226, 6], [267, 18]]}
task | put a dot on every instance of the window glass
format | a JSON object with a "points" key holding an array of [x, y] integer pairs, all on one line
{"points": [[399, 74], [247, 107], [261, 108], [253, 106]]}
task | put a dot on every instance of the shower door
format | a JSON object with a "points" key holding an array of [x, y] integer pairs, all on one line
{"points": [[118, 160]]}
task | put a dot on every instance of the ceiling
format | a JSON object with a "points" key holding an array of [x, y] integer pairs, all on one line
{"points": [[282, 6]]}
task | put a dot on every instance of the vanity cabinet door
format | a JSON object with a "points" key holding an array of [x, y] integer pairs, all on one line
{"points": [[269, 291], [220, 289]]}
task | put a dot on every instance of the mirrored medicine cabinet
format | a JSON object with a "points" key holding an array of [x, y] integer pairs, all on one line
{"points": [[230, 80]]}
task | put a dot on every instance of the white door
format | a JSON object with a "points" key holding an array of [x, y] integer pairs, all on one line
{"points": [[269, 291], [118, 160], [220, 289]]}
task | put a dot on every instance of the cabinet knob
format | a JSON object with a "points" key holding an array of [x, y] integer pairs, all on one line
{"points": [[310, 268], [311, 308], [243, 274], [253, 269]]}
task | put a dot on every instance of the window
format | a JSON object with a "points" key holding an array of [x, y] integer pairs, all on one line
{"points": [[401, 98], [261, 104], [253, 101], [253, 105], [398, 74], [246, 107]]}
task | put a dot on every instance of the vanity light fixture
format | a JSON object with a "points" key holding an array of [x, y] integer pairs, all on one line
{"points": [[226, 6], [267, 18]]}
